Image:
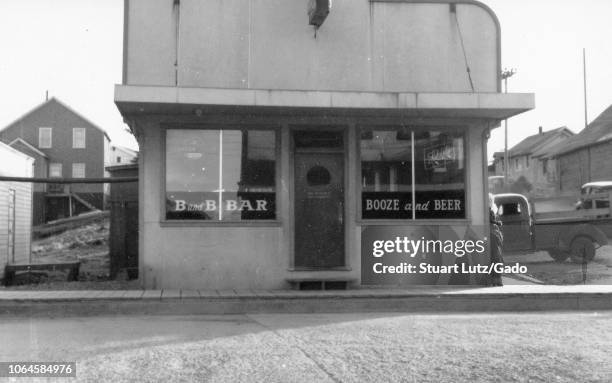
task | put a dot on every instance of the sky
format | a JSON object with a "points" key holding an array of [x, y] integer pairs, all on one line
{"points": [[73, 49], [543, 41]]}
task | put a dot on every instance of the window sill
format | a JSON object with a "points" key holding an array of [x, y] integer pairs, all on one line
{"points": [[410, 222], [195, 223]]}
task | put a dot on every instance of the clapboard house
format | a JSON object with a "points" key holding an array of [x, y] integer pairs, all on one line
{"points": [[15, 207], [64, 144], [532, 160], [120, 155], [586, 157]]}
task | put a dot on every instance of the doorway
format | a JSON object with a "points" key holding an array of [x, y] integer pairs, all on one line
{"points": [[319, 199]]}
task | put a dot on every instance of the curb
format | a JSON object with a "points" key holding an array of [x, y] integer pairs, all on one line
{"points": [[297, 302]]}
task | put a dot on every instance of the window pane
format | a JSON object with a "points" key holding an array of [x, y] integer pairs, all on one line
{"points": [[226, 175], [249, 175], [55, 170], [44, 138], [386, 174], [439, 174], [78, 138], [78, 170]]}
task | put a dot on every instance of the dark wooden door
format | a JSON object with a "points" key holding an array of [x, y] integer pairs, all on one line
{"points": [[319, 210]]}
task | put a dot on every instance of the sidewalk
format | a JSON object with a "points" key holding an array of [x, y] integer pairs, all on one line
{"points": [[511, 297]]}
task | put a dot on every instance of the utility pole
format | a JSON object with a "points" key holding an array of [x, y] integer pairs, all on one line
{"points": [[505, 75], [586, 118]]}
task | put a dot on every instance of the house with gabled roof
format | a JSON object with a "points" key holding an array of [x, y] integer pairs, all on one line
{"points": [[120, 155], [586, 157], [15, 207], [532, 160], [64, 144]]}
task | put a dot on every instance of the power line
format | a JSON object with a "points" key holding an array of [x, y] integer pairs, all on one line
{"points": [[40, 180], [467, 65]]}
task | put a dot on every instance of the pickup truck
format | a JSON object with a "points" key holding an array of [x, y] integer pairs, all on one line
{"points": [[576, 234]]}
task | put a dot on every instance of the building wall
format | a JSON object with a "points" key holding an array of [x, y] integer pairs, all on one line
{"points": [[209, 257], [41, 167], [15, 164], [573, 171], [601, 162], [206, 255], [588, 164], [126, 156], [499, 165], [267, 44], [54, 115], [544, 183], [364, 45]]}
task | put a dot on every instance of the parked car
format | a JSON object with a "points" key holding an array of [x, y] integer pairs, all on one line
{"points": [[591, 195]]}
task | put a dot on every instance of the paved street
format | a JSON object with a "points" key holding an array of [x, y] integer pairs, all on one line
{"points": [[559, 347]]}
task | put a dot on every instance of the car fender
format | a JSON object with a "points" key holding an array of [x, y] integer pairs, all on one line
{"points": [[567, 235]]}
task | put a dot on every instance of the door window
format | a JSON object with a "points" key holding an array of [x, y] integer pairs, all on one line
{"points": [[318, 176]]}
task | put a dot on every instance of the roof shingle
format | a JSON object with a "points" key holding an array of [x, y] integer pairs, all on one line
{"points": [[598, 131]]}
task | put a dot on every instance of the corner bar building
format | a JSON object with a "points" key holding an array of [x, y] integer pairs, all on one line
{"points": [[268, 146]]}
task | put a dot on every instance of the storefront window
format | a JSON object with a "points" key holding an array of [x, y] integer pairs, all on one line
{"points": [[439, 175], [220, 175], [386, 174], [402, 168]]}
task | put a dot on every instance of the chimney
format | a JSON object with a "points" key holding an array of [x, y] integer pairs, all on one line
{"points": [[540, 130]]}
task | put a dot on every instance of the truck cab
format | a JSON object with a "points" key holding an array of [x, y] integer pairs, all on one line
{"points": [[515, 214], [591, 195]]}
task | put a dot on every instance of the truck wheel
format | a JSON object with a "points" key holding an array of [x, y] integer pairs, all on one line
{"points": [[558, 255], [582, 250]]}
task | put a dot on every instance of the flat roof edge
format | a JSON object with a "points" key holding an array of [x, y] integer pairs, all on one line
{"points": [[130, 94]]}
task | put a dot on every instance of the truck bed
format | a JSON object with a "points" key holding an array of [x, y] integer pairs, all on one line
{"points": [[573, 216], [549, 227]]}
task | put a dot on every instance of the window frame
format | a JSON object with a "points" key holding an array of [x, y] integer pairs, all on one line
{"points": [[84, 169], [74, 130], [164, 222], [61, 170], [460, 129], [40, 132]]}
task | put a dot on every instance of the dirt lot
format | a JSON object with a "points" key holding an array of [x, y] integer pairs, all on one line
{"points": [[544, 269], [87, 244]]}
